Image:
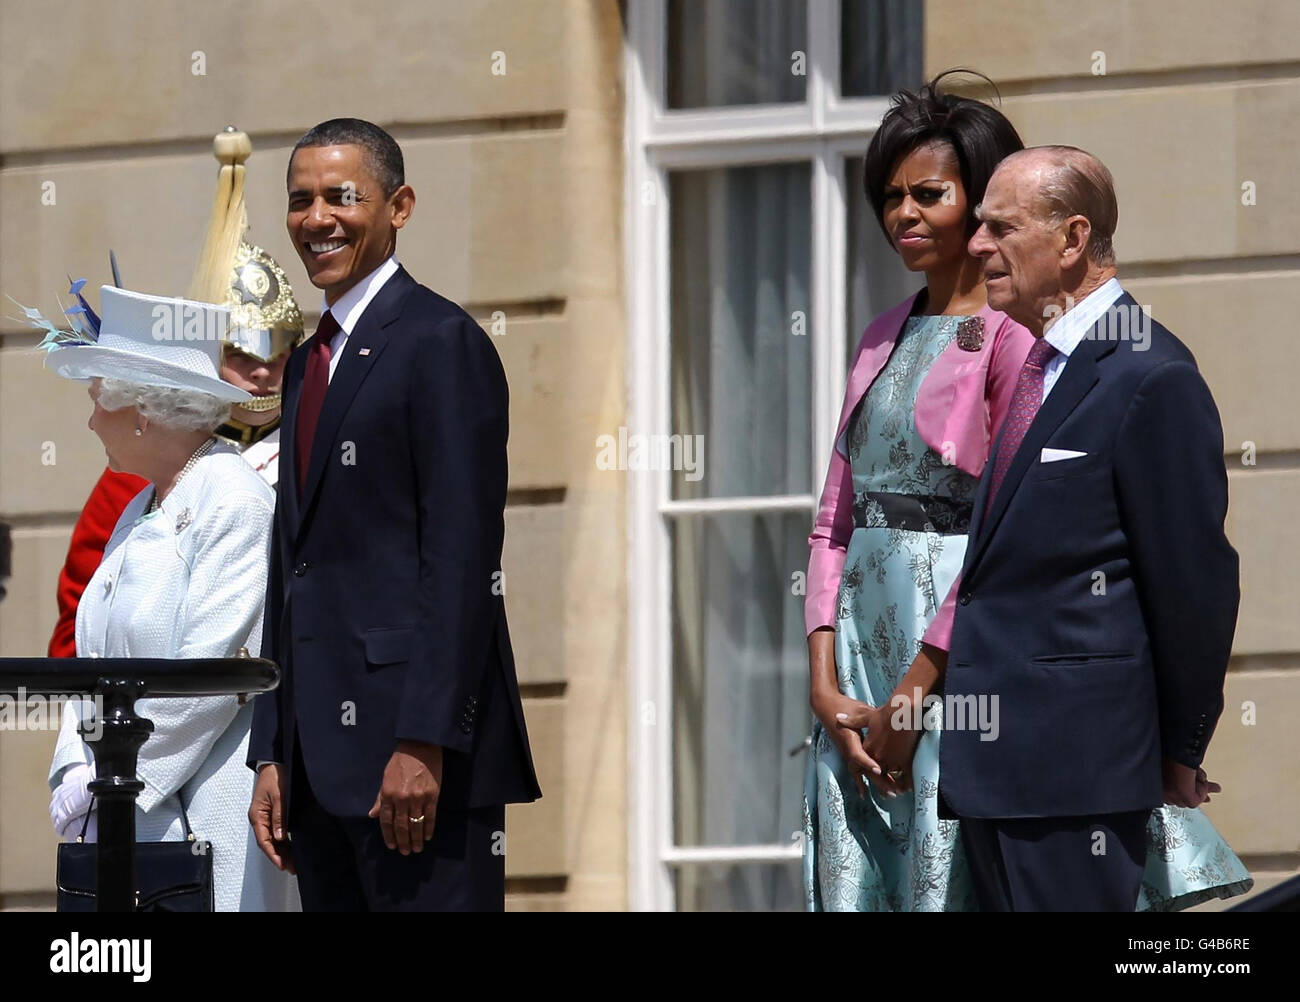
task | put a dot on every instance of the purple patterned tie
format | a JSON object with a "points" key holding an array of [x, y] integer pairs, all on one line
{"points": [[1024, 405]]}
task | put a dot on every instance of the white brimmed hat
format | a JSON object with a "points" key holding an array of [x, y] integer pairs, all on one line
{"points": [[153, 341]]}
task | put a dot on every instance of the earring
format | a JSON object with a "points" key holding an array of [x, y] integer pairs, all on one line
{"points": [[139, 431]]}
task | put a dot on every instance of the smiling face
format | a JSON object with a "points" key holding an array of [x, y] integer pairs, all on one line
{"points": [[925, 210], [1020, 247], [339, 220], [116, 430]]}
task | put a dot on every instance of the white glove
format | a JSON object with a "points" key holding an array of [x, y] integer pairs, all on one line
{"points": [[70, 802]]}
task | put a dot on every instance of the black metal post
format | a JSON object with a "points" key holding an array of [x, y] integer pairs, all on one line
{"points": [[120, 682], [115, 788]]}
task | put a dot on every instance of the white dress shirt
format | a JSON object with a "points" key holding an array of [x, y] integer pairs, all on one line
{"points": [[1073, 325], [349, 307]]}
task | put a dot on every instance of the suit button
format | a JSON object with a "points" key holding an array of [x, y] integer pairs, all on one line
{"points": [[964, 598], [301, 569]]}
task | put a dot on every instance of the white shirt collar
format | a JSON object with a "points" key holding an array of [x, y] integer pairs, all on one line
{"points": [[1073, 325], [349, 307]]}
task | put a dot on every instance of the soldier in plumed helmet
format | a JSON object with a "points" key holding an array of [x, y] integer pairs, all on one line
{"points": [[265, 322]]}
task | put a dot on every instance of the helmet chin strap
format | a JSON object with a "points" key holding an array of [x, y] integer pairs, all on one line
{"points": [[259, 405]]}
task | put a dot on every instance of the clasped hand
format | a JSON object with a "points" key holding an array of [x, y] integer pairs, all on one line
{"points": [[886, 749], [1185, 786]]}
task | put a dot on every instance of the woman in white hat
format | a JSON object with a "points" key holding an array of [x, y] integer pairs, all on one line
{"points": [[183, 576]]}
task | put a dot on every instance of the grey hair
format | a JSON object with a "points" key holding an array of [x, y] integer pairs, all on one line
{"points": [[1076, 183], [184, 410]]}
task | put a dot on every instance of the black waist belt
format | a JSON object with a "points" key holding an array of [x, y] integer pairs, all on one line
{"points": [[915, 512]]}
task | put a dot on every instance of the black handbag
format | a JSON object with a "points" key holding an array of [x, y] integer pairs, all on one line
{"points": [[169, 876]]}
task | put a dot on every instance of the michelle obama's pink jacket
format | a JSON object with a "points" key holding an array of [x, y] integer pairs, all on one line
{"points": [[959, 409]]}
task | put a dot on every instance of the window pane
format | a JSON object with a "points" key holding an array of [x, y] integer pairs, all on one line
{"points": [[741, 372], [877, 279], [880, 46], [739, 677], [728, 52], [740, 887]]}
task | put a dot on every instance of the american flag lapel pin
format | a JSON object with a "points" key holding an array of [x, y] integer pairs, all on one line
{"points": [[364, 351]]}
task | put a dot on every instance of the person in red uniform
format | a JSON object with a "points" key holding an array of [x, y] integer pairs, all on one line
{"points": [[107, 501]]}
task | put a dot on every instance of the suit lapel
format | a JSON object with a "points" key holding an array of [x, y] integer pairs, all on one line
{"points": [[877, 344], [360, 352], [1076, 380]]}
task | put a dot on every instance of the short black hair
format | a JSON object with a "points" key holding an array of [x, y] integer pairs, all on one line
{"points": [[383, 155], [979, 135]]}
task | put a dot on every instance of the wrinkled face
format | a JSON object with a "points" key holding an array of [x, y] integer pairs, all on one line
{"points": [[925, 210], [1020, 248], [116, 430], [262, 379], [339, 220]]}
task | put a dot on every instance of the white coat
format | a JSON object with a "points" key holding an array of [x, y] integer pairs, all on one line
{"points": [[189, 581]]}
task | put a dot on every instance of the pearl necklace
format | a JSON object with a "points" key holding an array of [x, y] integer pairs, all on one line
{"points": [[199, 453]]}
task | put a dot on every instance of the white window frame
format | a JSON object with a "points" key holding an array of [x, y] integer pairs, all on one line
{"points": [[822, 131]]}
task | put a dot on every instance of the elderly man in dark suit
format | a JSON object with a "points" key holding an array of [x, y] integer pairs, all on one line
{"points": [[1099, 594], [397, 735]]}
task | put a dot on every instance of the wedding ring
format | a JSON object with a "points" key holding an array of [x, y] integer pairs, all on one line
{"points": [[896, 774], [416, 821]]}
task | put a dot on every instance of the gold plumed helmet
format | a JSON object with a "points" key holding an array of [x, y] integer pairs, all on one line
{"points": [[264, 316]]}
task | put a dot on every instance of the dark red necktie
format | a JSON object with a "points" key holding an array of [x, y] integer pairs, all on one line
{"points": [[1024, 405], [314, 384]]}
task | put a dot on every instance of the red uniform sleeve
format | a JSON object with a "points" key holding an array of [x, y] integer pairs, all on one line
{"points": [[109, 498]]}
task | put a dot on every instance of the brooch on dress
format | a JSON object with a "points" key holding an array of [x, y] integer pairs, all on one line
{"points": [[970, 333]]}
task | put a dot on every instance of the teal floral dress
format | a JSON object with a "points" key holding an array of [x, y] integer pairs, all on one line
{"points": [[911, 513]]}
